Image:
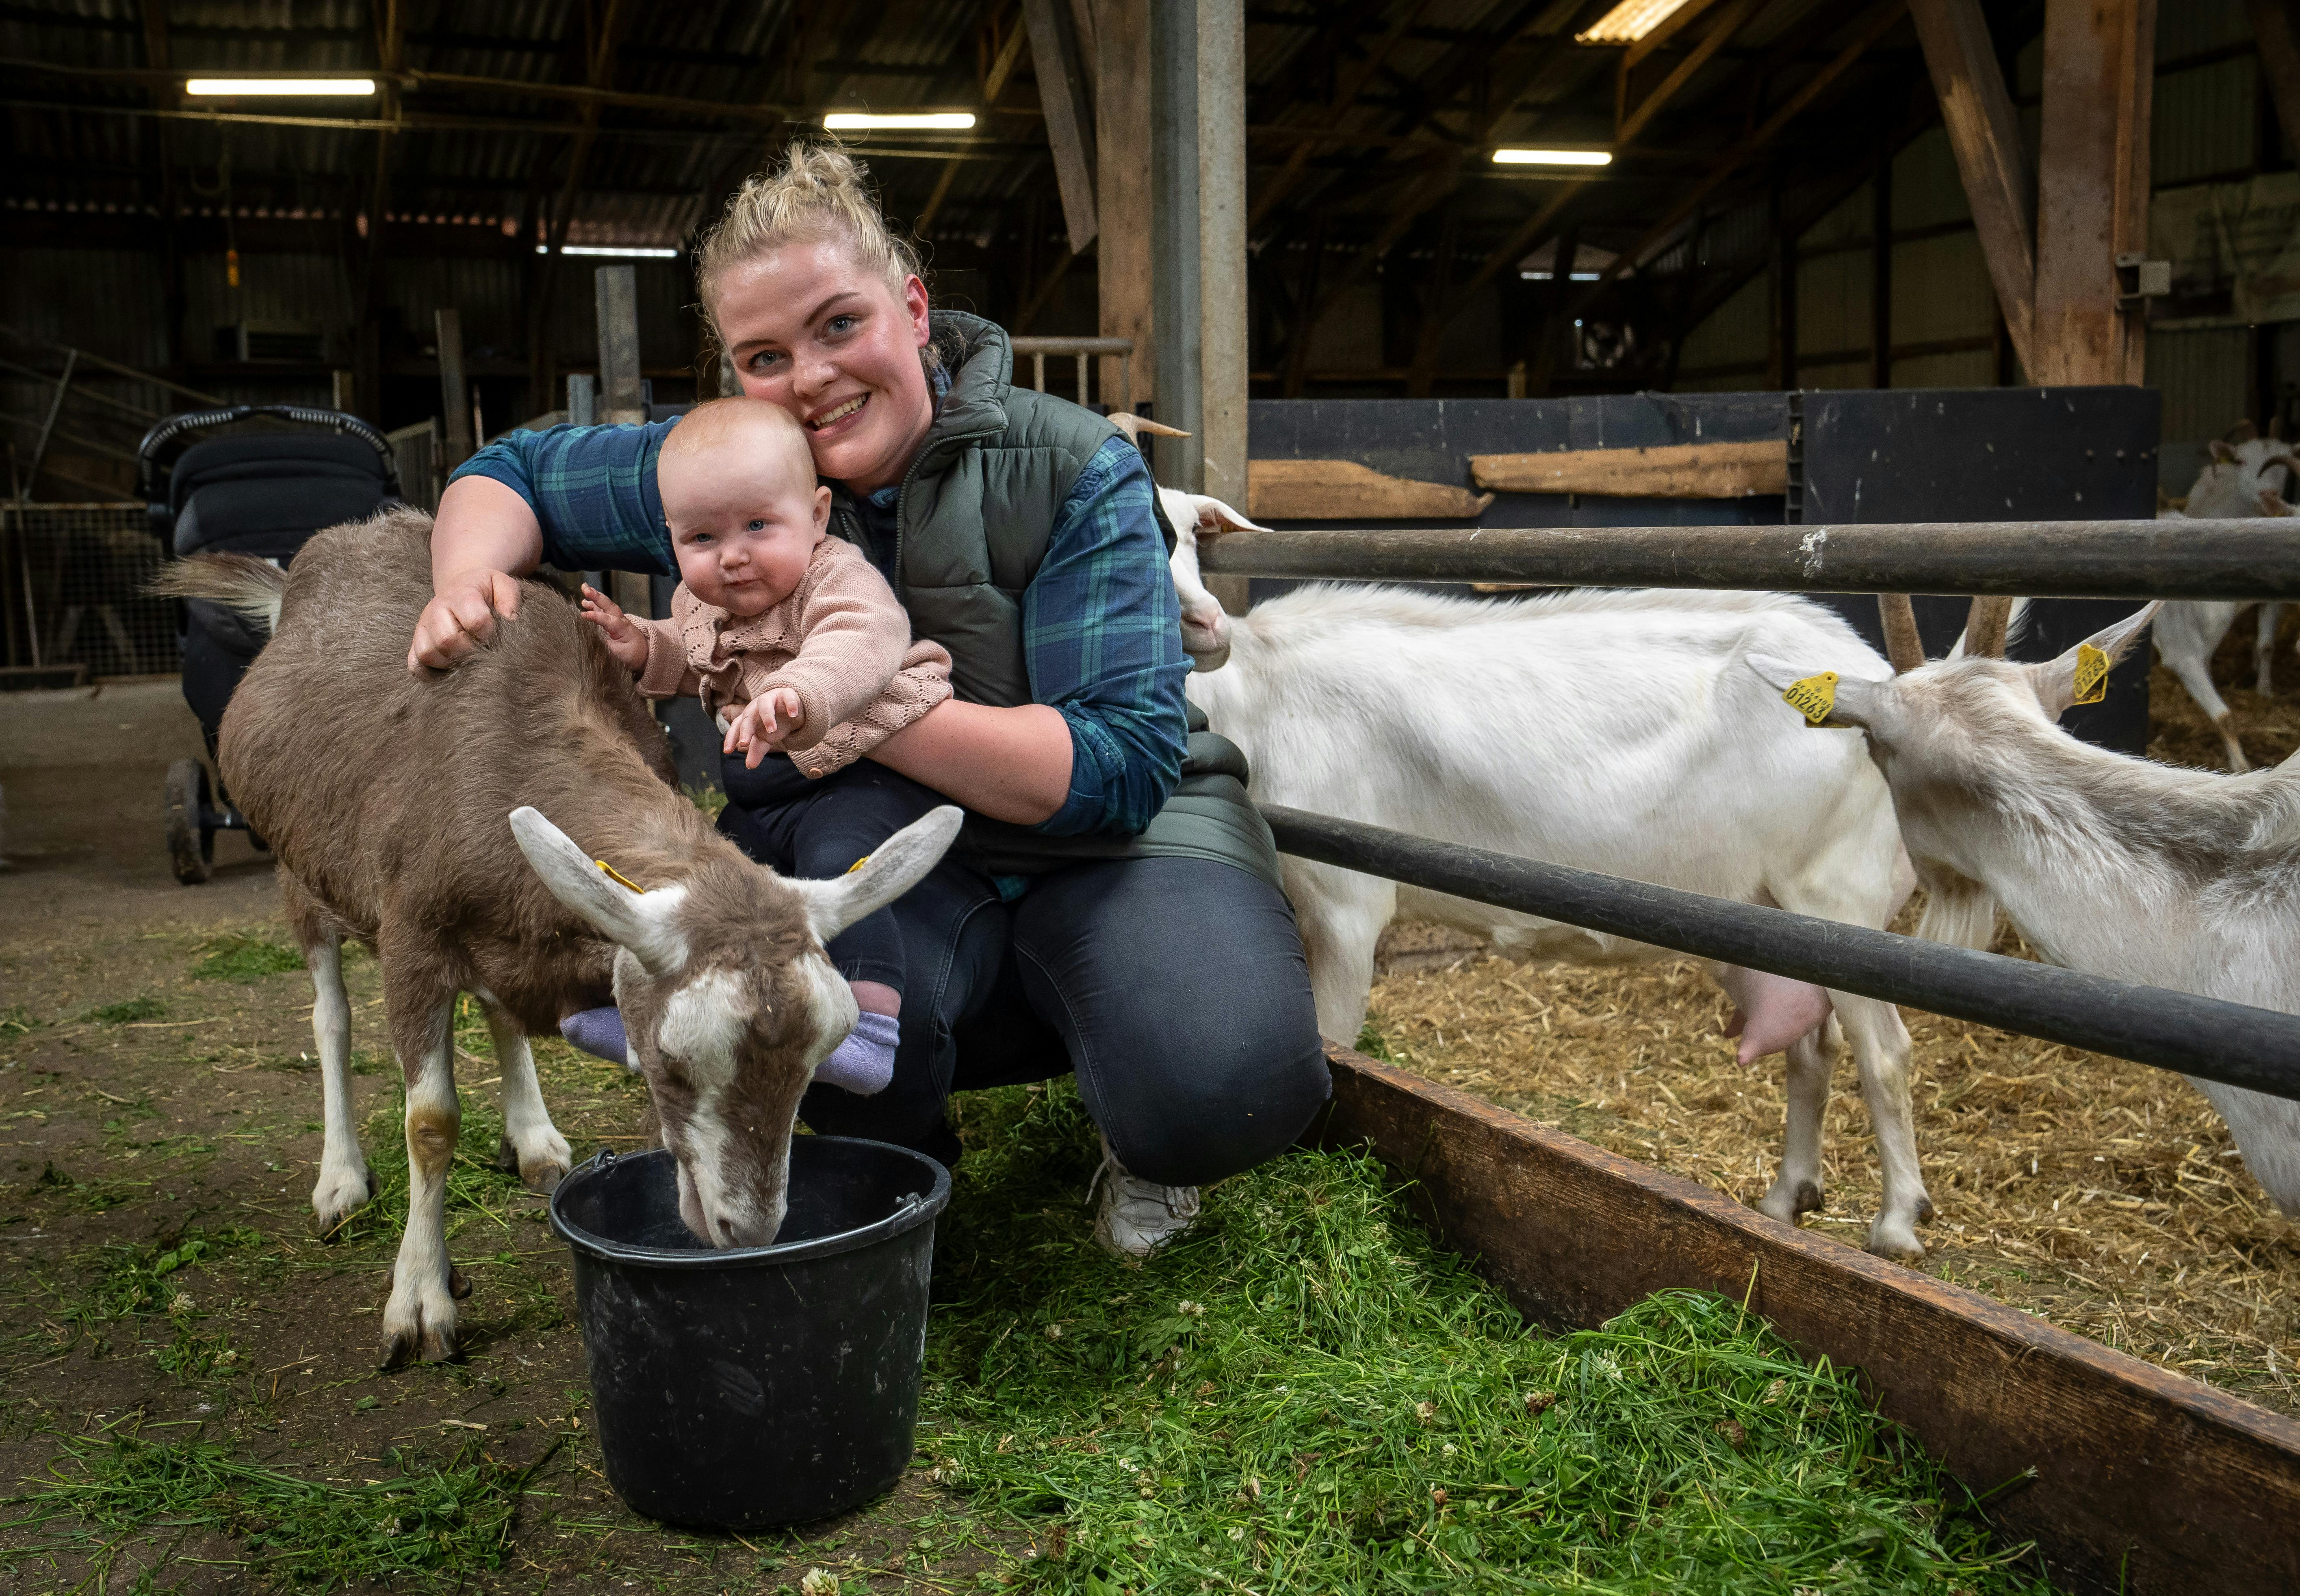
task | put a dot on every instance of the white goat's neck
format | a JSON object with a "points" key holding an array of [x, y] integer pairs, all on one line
{"points": [[2105, 861]]}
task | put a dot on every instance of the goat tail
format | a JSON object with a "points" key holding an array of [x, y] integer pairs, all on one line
{"points": [[238, 582], [1958, 911]]}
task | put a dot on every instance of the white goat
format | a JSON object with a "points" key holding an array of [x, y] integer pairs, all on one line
{"points": [[2183, 878], [1611, 730], [2239, 481]]}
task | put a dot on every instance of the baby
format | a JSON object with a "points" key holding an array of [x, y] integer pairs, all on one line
{"points": [[797, 647]]}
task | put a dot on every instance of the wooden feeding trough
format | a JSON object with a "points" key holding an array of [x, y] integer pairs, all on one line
{"points": [[2127, 1477]]}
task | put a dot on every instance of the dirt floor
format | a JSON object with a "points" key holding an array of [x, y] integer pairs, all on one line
{"points": [[2104, 1196], [161, 1136]]}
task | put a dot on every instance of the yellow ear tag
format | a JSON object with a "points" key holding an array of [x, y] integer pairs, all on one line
{"points": [[1813, 698], [617, 876], [2092, 674], [858, 864]]}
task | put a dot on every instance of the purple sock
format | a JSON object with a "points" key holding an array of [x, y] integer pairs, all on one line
{"points": [[865, 1061], [598, 1032]]}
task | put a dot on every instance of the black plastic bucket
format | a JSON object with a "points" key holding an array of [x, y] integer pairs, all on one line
{"points": [[758, 1385]]}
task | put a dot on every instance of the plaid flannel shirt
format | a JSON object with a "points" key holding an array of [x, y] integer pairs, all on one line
{"points": [[1100, 626]]}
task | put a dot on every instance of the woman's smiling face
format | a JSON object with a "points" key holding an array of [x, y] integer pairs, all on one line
{"points": [[808, 328]]}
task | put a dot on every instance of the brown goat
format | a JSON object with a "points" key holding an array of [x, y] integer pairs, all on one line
{"points": [[385, 797]]}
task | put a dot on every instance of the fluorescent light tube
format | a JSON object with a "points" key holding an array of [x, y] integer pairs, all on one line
{"points": [[279, 85], [1629, 21], [1522, 157], [842, 122], [639, 251]]}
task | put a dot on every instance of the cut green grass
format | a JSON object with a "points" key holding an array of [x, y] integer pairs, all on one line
{"points": [[1305, 1394], [125, 1014], [243, 957], [443, 1522]]}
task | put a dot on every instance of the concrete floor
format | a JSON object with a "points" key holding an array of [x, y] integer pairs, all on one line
{"points": [[81, 769]]}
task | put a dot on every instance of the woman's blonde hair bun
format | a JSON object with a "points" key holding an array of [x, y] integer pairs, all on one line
{"points": [[819, 191]]}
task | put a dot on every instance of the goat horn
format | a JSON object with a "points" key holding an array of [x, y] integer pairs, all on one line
{"points": [[1134, 426], [1903, 646], [1983, 627]]}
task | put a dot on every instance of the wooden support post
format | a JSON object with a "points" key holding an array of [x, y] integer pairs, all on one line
{"points": [[1122, 143], [454, 387], [622, 398], [1880, 270], [1985, 133], [1065, 75], [1781, 272], [1177, 275], [2092, 187], [2273, 29]]}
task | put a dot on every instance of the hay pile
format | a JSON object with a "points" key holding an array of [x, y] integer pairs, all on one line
{"points": [[2106, 1197]]}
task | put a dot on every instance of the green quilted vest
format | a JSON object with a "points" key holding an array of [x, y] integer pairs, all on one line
{"points": [[971, 528]]}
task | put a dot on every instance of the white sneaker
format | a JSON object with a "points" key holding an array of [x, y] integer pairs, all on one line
{"points": [[1138, 1217]]}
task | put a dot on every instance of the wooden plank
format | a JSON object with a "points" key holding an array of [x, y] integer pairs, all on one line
{"points": [[2092, 187], [1668, 471], [1063, 94], [2128, 1476], [1985, 133], [1123, 255], [1326, 489]]}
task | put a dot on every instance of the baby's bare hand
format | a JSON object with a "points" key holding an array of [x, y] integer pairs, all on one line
{"points": [[625, 640], [760, 726]]}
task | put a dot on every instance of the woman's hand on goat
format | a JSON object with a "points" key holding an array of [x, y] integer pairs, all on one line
{"points": [[761, 725], [460, 617], [627, 643]]}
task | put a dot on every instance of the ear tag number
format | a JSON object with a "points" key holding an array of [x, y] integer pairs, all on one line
{"points": [[2092, 674], [617, 877], [1813, 698]]}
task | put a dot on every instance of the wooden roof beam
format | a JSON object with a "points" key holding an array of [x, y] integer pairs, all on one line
{"points": [[1985, 132], [1344, 98]]}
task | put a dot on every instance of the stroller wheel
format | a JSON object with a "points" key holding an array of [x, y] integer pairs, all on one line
{"points": [[191, 846]]}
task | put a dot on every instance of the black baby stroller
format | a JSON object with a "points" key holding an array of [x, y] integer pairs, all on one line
{"points": [[254, 493]]}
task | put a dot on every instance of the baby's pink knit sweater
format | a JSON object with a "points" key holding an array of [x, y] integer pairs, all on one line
{"points": [[841, 642]]}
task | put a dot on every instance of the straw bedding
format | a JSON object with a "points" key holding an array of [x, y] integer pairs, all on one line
{"points": [[2103, 1196]]}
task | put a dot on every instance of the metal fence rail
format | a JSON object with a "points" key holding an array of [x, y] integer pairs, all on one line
{"points": [[2233, 1043], [2247, 559]]}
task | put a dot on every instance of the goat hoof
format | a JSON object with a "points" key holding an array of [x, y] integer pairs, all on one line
{"points": [[423, 1344], [1895, 1240], [507, 1156], [1784, 1203], [459, 1285], [1924, 1210], [338, 1197]]}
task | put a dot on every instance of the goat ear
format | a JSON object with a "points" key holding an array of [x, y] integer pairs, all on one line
{"points": [[640, 922], [2056, 681], [1215, 516], [2220, 452], [894, 867], [1854, 700]]}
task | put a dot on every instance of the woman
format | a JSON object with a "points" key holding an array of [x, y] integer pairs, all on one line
{"points": [[1112, 909]]}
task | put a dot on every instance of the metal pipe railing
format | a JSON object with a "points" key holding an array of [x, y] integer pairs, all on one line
{"points": [[1083, 349], [2248, 559], [2233, 1043]]}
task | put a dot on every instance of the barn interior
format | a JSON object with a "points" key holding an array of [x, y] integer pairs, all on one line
{"points": [[1345, 244]]}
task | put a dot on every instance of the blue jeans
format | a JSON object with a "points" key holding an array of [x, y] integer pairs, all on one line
{"points": [[1174, 990]]}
